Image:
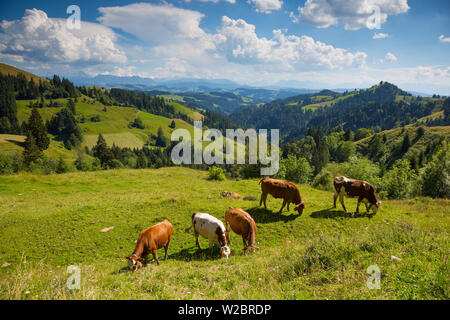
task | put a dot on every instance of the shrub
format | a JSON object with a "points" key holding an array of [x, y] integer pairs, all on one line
{"points": [[7, 164], [435, 176], [324, 180], [62, 166], [215, 173], [400, 182], [361, 169], [114, 164], [295, 170]]}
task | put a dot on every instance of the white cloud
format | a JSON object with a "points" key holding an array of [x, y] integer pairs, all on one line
{"points": [[443, 39], [240, 43], [355, 14], [390, 57], [154, 23], [267, 6], [37, 37], [380, 35]]}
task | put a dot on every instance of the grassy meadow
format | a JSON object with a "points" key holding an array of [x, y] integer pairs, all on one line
{"points": [[48, 222]]}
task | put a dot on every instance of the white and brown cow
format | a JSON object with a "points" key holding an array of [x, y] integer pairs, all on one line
{"points": [[212, 229], [345, 187]]}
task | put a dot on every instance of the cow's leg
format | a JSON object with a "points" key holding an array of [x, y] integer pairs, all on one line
{"points": [[335, 196], [263, 199], [341, 200], [196, 241], [284, 203], [228, 233], [210, 247], [155, 256], [166, 248], [357, 206]]}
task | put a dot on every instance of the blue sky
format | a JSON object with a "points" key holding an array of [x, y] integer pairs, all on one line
{"points": [[310, 44]]}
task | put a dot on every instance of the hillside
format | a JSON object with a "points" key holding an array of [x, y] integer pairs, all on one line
{"points": [[50, 222], [8, 69], [383, 106]]}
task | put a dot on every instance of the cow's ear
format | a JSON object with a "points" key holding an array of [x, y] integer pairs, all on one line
{"points": [[127, 257]]}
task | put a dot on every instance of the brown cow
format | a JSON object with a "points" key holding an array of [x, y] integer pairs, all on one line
{"points": [[150, 240], [282, 189], [355, 188], [242, 224]]}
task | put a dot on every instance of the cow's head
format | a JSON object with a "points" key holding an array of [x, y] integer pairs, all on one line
{"points": [[134, 262], [300, 207], [375, 206], [225, 251]]}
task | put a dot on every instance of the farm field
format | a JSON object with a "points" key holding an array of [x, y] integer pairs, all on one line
{"points": [[48, 223]]}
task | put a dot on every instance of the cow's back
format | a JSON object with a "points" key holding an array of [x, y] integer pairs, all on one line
{"points": [[206, 225], [277, 188], [240, 221], [159, 234]]}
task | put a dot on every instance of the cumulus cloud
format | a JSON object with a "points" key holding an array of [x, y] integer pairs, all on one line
{"points": [[380, 35], [390, 57], [36, 37], [267, 6], [240, 43], [444, 39], [355, 14], [154, 23]]}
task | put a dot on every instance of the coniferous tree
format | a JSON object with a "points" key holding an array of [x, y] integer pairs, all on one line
{"points": [[102, 151], [8, 111], [71, 105], [38, 130], [406, 144], [161, 140], [172, 124], [31, 151]]}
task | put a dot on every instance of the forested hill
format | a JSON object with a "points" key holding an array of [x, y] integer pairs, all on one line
{"points": [[383, 106]]}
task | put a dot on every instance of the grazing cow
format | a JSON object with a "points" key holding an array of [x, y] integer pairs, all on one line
{"points": [[150, 240], [243, 224], [212, 229], [355, 188], [282, 189]]}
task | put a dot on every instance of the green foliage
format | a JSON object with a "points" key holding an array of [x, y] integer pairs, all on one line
{"points": [[401, 182], [345, 150], [137, 123], [65, 127], [38, 130], [31, 150], [436, 175], [295, 169], [8, 164], [161, 139], [215, 173], [361, 168], [62, 166], [8, 109], [323, 181], [362, 133], [102, 151]]}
